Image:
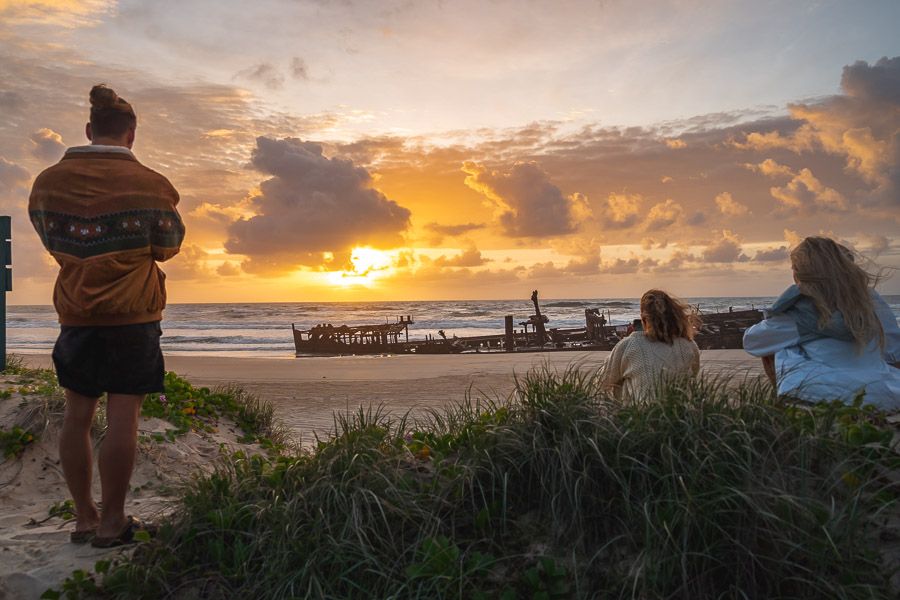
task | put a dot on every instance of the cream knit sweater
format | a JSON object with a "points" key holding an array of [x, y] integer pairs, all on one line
{"points": [[636, 363]]}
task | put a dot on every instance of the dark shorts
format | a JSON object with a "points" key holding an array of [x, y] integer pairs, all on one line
{"points": [[121, 359]]}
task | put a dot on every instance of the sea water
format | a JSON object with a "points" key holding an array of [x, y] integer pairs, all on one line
{"points": [[264, 329]]}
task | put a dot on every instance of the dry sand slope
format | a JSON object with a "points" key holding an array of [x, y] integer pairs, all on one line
{"points": [[35, 552]]}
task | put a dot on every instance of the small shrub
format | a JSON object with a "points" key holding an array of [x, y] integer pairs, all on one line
{"points": [[191, 408], [14, 441]]}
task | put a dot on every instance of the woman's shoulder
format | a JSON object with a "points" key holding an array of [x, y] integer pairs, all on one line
{"points": [[683, 341]]}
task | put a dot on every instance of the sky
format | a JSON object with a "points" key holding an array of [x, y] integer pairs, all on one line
{"points": [[411, 150]]}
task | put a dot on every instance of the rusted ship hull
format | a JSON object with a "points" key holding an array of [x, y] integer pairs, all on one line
{"points": [[717, 331]]}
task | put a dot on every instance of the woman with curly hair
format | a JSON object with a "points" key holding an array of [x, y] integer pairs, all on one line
{"points": [[830, 336], [665, 347]]}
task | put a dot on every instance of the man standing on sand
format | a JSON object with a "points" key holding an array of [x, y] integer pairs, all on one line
{"points": [[106, 219]]}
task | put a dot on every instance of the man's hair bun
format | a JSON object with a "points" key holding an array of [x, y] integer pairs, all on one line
{"points": [[110, 114], [103, 97]]}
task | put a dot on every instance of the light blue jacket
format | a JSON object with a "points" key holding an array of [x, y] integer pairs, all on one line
{"points": [[821, 364]]}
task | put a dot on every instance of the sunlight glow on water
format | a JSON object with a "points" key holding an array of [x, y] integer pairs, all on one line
{"points": [[265, 329]]}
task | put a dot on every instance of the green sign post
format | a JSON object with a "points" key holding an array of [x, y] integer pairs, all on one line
{"points": [[5, 281]]}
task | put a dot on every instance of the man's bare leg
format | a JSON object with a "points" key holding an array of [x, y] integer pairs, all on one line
{"points": [[117, 460], [77, 458]]}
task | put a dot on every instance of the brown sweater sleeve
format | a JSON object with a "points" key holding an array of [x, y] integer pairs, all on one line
{"points": [[168, 232]]}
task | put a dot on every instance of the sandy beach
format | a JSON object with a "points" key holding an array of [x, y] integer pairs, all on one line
{"points": [[307, 391]]}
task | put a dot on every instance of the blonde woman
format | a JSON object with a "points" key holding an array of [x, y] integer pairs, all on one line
{"points": [[665, 346], [830, 336]]}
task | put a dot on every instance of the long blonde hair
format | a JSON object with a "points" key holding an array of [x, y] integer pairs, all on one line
{"points": [[666, 318], [829, 275]]}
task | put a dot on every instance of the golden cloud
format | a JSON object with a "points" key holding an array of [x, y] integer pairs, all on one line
{"points": [[61, 13], [729, 206]]}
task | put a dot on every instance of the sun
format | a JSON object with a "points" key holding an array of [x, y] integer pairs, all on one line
{"points": [[369, 265]]}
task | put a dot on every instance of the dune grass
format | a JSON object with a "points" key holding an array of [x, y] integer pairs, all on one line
{"points": [[707, 491]]}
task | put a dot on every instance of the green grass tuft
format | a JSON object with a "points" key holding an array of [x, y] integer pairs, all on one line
{"points": [[190, 408], [15, 365], [710, 490]]}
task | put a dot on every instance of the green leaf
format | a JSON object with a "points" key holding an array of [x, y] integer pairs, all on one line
{"points": [[102, 566], [142, 536]]}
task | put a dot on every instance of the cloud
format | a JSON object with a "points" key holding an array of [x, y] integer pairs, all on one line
{"points": [[862, 125], [729, 206], [875, 245], [621, 211], [726, 249], [61, 13], [528, 204], [228, 269], [47, 145], [676, 144], [298, 69], [663, 215], [792, 237], [311, 205], [696, 218], [879, 82], [453, 230], [189, 264], [265, 73], [469, 258], [12, 175], [11, 101], [805, 194], [584, 265], [624, 266], [676, 261], [770, 168], [649, 242], [772, 254]]}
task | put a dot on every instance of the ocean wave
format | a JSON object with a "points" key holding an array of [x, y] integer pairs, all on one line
{"points": [[223, 339], [568, 304], [212, 326]]}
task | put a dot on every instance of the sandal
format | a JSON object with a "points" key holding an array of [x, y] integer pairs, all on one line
{"points": [[125, 537], [82, 537]]}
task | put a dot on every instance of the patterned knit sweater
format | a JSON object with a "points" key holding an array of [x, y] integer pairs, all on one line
{"points": [[106, 219], [637, 363]]}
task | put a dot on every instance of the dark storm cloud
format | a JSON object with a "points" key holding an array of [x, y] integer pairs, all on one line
{"points": [[879, 82], [311, 206], [528, 203]]}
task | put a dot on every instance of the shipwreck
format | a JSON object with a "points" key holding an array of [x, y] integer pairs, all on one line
{"points": [[719, 330]]}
